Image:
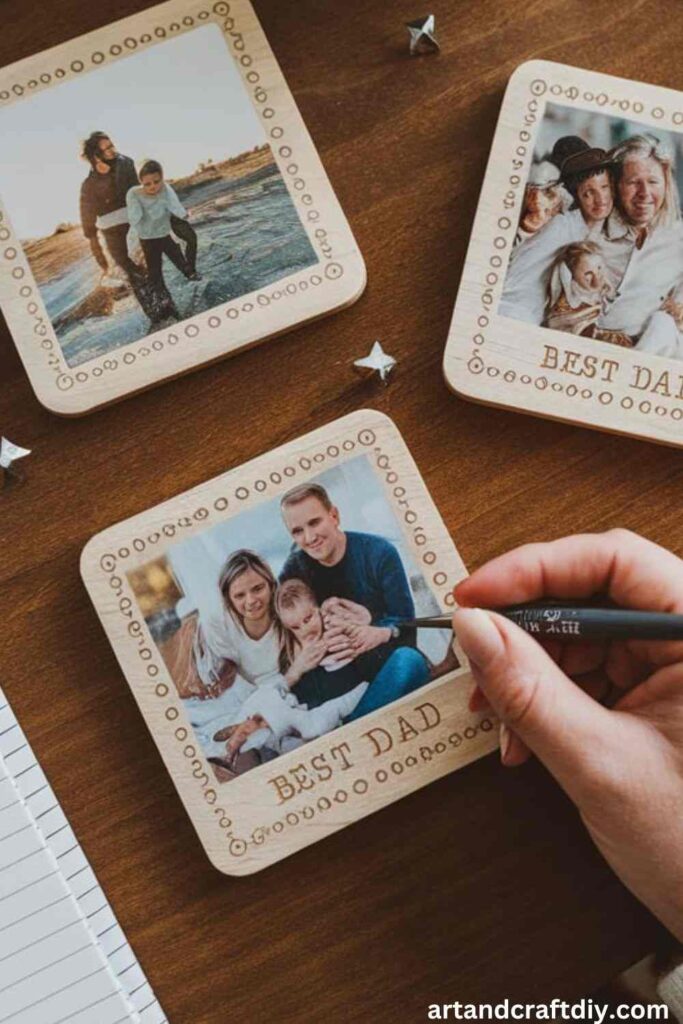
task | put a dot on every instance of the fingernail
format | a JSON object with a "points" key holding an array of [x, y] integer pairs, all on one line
{"points": [[505, 739], [478, 635]]}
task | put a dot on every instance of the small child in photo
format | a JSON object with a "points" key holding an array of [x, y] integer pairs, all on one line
{"points": [[319, 676], [316, 676], [323, 691], [578, 290], [154, 211]]}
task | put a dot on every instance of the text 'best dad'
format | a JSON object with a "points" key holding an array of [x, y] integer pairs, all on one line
{"points": [[340, 757], [607, 370]]}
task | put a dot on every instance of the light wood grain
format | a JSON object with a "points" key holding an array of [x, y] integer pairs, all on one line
{"points": [[483, 884]]}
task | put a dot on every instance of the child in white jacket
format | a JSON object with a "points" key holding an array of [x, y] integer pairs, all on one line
{"points": [[154, 211]]}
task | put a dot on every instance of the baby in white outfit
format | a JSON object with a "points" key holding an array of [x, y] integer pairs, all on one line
{"points": [[579, 289], [273, 718]]}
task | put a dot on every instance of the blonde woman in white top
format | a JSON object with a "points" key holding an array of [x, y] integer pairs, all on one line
{"points": [[248, 633]]}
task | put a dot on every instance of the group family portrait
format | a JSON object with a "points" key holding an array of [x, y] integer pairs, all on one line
{"points": [[292, 620], [598, 250], [145, 192]]}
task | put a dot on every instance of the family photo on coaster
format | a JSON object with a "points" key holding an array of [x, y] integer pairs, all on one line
{"points": [[285, 622], [145, 193], [598, 250]]}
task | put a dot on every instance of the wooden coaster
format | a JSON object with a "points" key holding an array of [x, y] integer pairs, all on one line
{"points": [[195, 87], [173, 591], [570, 304]]}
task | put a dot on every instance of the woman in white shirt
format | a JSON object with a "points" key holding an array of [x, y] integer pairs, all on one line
{"points": [[247, 632], [241, 642], [249, 635]]}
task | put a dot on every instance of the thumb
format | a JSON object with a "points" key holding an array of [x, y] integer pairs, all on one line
{"points": [[531, 695]]}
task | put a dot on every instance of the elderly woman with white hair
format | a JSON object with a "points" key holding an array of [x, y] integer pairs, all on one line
{"points": [[642, 241], [544, 198]]}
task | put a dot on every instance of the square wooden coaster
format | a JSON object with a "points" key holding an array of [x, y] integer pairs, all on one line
{"points": [[212, 599], [164, 205], [571, 299]]}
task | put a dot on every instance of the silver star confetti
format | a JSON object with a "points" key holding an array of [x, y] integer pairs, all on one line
{"points": [[9, 453], [377, 362], [422, 38]]}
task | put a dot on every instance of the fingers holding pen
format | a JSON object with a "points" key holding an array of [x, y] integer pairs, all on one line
{"points": [[532, 696], [633, 571], [513, 750]]}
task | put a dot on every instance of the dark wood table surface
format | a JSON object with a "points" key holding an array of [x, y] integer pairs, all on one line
{"points": [[484, 884]]}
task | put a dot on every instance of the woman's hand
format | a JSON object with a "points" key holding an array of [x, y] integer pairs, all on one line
{"points": [[308, 658], [622, 767], [234, 736]]}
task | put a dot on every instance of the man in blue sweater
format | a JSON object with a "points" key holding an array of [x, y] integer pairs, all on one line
{"points": [[362, 588]]}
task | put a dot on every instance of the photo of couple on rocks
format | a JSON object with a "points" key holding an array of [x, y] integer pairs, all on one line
{"points": [[598, 251], [165, 199], [116, 198], [279, 642]]}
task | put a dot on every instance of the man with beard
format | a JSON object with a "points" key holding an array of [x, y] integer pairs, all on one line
{"points": [[103, 209]]}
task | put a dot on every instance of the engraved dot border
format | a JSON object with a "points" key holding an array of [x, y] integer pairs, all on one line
{"points": [[497, 263], [328, 268], [426, 753], [212, 513]]}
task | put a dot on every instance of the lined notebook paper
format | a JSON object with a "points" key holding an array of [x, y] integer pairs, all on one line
{"points": [[63, 955]]}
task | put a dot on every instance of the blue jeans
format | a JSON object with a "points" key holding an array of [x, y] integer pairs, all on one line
{"points": [[406, 670]]}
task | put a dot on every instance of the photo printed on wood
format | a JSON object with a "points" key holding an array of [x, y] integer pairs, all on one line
{"points": [[162, 204], [571, 300]]}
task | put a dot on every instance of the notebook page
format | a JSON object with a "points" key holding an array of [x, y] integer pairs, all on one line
{"points": [[36, 791], [51, 967]]}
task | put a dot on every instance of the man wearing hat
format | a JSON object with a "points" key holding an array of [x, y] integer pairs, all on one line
{"points": [[585, 172]]}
